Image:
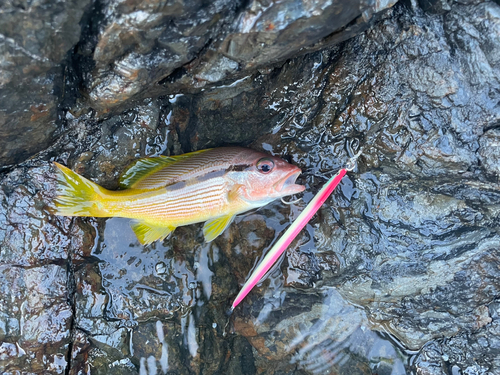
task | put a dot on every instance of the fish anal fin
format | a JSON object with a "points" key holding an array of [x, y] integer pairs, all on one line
{"points": [[146, 167], [214, 227], [147, 233]]}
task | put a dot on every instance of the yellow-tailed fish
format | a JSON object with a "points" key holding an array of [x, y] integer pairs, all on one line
{"points": [[162, 193]]}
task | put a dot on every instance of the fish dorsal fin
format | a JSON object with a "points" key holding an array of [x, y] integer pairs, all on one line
{"points": [[146, 167], [213, 228], [147, 233]]}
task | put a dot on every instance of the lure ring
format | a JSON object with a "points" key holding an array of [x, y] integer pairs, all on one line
{"points": [[351, 164]]}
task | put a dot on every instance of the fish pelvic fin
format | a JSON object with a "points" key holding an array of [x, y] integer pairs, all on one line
{"points": [[214, 228], [147, 233], [77, 196]]}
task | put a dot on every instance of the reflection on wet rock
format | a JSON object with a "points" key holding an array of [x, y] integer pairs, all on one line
{"points": [[135, 290], [30, 235], [318, 333], [36, 314]]}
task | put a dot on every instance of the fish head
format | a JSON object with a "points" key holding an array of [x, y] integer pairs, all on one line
{"points": [[268, 178]]}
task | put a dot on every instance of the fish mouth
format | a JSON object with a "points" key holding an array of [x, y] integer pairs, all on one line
{"points": [[287, 185]]}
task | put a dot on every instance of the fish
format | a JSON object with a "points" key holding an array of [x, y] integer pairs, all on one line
{"points": [[162, 193]]}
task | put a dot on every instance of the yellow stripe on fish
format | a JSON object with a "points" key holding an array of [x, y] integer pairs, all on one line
{"points": [[162, 193]]}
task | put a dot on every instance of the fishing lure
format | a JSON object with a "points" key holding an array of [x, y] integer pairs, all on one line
{"points": [[292, 232]]}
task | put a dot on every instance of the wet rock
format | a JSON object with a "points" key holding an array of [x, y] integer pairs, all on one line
{"points": [[408, 243], [489, 151], [140, 44], [30, 234], [116, 298], [188, 45], [79, 362], [411, 236], [34, 40], [243, 362], [475, 352], [262, 29], [91, 301], [303, 325], [436, 246], [133, 50], [459, 229], [115, 142], [375, 251], [435, 6], [36, 314], [35, 323]]}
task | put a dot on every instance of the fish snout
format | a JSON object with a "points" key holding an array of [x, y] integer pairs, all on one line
{"points": [[287, 186]]}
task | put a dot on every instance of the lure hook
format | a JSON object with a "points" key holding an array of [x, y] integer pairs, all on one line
{"points": [[291, 202]]}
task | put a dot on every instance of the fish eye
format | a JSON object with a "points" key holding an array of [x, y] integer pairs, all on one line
{"points": [[265, 165]]}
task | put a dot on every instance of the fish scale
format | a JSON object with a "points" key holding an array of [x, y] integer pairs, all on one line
{"points": [[178, 207]]}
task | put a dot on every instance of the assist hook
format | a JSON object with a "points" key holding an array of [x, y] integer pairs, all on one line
{"points": [[291, 202]]}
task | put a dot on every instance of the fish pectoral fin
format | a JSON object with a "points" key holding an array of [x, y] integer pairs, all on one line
{"points": [[147, 233], [213, 228], [236, 191]]}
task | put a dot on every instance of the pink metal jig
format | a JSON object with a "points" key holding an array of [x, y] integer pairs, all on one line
{"points": [[291, 233]]}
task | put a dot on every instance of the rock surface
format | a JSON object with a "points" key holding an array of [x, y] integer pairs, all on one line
{"points": [[111, 54], [35, 37], [398, 272], [147, 49], [36, 312]]}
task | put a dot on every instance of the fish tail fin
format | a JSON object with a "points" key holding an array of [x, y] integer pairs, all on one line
{"points": [[77, 196]]}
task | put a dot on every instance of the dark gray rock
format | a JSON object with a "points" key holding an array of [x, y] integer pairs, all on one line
{"points": [[475, 352], [421, 255], [134, 50], [35, 319], [262, 32], [403, 256], [432, 231], [36, 313], [30, 235], [435, 6], [454, 231], [185, 46], [34, 40], [138, 44]]}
